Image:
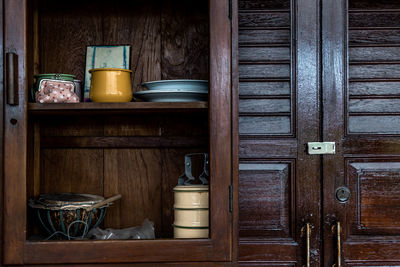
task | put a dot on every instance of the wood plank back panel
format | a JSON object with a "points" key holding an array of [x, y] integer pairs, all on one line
{"points": [[65, 31], [167, 41], [185, 36], [72, 170], [136, 23], [135, 174]]}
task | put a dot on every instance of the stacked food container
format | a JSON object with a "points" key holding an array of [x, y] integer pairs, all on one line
{"points": [[191, 207]]}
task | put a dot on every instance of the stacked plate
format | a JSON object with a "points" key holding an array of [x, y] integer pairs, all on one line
{"points": [[174, 91]]}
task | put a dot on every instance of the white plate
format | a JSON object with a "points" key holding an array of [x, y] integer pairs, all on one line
{"points": [[179, 85], [171, 96]]}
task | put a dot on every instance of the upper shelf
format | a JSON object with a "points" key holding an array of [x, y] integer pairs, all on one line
{"points": [[115, 108]]}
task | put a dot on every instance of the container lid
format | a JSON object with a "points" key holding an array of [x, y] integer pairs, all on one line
{"points": [[191, 188], [65, 201], [57, 76], [109, 69]]}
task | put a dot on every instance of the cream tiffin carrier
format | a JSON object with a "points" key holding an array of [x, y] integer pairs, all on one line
{"points": [[191, 202]]}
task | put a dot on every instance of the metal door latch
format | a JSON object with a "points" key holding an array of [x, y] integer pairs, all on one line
{"points": [[321, 148]]}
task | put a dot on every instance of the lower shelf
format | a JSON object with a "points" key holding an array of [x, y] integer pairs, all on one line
{"points": [[159, 250]]}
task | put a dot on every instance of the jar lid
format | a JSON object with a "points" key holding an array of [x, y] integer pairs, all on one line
{"points": [[65, 201], [55, 76], [109, 69], [191, 188]]}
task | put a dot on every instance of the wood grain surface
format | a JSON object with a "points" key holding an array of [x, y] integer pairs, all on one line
{"points": [[65, 31], [184, 41], [15, 139], [135, 174], [167, 41], [72, 170]]}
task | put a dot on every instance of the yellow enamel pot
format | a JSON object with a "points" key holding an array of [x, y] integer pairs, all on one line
{"points": [[110, 85]]}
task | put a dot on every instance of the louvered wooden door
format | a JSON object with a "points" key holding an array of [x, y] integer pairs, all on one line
{"points": [[294, 90], [361, 100], [279, 186]]}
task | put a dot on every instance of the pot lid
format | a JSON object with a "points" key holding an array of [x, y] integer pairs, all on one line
{"points": [[65, 201], [109, 69], [191, 188], [54, 75]]}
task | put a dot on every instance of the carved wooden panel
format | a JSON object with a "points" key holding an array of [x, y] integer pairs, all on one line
{"points": [[264, 199], [374, 67], [375, 204]]}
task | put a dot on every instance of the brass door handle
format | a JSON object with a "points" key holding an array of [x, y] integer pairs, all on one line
{"points": [[337, 228], [12, 78], [306, 230]]}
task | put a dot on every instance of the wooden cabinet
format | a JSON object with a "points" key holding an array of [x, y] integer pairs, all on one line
{"points": [[318, 71], [135, 149]]}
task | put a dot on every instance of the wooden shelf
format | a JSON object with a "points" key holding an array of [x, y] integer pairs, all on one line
{"points": [[115, 108]]}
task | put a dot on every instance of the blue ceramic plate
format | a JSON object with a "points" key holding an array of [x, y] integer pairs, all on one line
{"points": [[171, 96], [178, 85]]}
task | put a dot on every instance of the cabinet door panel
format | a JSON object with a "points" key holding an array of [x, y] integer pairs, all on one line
{"points": [[15, 138], [279, 184], [376, 189], [265, 199], [361, 113]]}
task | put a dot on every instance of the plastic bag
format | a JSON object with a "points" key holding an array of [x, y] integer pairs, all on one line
{"points": [[146, 231]]}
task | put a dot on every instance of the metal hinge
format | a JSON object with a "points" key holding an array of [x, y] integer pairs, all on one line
{"points": [[230, 9], [230, 198]]}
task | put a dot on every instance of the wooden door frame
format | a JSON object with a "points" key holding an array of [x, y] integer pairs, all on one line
{"points": [[334, 76], [218, 248], [1, 124]]}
